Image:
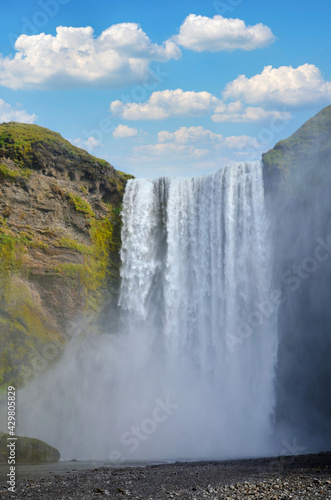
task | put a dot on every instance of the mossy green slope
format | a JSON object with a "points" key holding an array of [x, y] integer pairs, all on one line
{"points": [[308, 149], [59, 242], [28, 450], [34, 147], [30, 144]]}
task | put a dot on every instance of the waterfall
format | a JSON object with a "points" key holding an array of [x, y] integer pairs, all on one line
{"points": [[191, 374]]}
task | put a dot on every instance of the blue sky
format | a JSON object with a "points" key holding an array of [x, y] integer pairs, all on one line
{"points": [[171, 88]]}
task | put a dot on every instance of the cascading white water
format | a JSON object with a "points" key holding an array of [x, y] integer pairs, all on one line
{"points": [[190, 376]]}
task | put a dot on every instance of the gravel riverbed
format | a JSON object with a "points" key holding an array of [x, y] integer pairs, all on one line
{"points": [[300, 477]]}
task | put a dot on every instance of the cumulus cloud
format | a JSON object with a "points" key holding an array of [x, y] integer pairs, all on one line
{"points": [[120, 56], [74, 58], [123, 131], [166, 103], [8, 113], [242, 142], [201, 135], [237, 112], [186, 135], [179, 151], [200, 33], [89, 144], [196, 143], [285, 85]]}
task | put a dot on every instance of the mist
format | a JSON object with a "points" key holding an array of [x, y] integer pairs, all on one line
{"points": [[190, 374], [223, 345]]}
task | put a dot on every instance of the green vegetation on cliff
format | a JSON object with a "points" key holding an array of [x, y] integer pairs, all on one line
{"points": [[11, 174], [34, 147], [309, 146], [59, 243], [28, 450], [30, 145]]}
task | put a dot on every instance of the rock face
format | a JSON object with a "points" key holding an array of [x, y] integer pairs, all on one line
{"points": [[28, 450], [59, 243], [297, 177], [302, 158]]}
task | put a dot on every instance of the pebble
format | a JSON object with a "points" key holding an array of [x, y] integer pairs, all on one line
{"points": [[303, 479]]}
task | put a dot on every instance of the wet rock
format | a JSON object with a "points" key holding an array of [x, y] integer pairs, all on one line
{"points": [[28, 450]]}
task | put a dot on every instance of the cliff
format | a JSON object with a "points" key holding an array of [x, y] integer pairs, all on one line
{"points": [[59, 244], [303, 157], [297, 178]]}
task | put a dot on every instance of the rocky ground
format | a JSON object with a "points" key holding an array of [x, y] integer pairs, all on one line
{"points": [[302, 477]]}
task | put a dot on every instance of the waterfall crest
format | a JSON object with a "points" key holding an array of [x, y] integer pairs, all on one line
{"points": [[191, 374]]}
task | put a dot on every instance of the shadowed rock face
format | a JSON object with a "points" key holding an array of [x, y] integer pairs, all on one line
{"points": [[28, 450], [59, 243], [297, 178]]}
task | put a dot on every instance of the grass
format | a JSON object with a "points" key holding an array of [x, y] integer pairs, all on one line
{"points": [[80, 204], [74, 245], [10, 174], [19, 141], [12, 250], [7, 173]]}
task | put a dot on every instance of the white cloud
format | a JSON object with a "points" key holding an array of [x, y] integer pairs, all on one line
{"points": [[200, 135], [236, 112], [88, 144], [177, 151], [166, 103], [186, 135], [74, 58], [8, 113], [242, 142], [195, 143], [285, 85], [200, 33], [123, 131], [120, 56]]}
